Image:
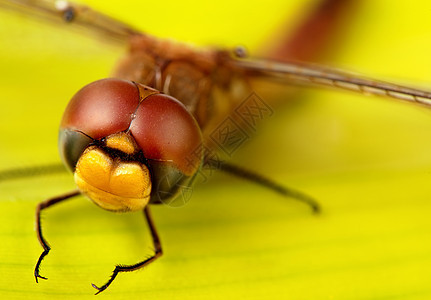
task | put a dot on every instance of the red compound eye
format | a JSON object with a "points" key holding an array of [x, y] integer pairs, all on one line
{"points": [[98, 110], [165, 131], [102, 108]]}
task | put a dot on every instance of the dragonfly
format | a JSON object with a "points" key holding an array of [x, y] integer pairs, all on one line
{"points": [[155, 74]]}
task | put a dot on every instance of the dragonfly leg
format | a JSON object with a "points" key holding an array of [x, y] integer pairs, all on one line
{"points": [[129, 268], [34, 171], [259, 179], [43, 242]]}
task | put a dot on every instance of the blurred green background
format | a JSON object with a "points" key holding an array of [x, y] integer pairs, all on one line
{"points": [[366, 160]]}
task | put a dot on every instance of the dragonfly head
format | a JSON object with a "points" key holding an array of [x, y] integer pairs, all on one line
{"points": [[129, 145]]}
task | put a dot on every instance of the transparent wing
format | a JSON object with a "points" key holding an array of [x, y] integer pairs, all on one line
{"points": [[309, 74], [60, 11]]}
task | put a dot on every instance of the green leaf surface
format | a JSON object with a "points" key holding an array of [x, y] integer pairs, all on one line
{"points": [[366, 160]]}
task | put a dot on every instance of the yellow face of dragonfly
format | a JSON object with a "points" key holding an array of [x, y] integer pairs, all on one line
{"points": [[112, 183]]}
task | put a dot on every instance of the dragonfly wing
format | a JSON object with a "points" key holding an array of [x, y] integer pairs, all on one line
{"points": [[313, 75], [72, 13]]}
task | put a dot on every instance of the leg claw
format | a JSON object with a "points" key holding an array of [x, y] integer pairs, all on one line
{"points": [[36, 276], [99, 290]]}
